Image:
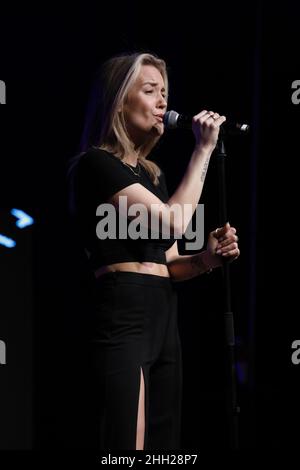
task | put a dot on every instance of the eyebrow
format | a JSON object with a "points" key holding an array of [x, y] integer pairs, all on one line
{"points": [[153, 84]]}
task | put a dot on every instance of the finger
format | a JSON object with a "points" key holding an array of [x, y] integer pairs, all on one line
{"points": [[226, 248], [211, 118], [228, 234], [219, 121], [207, 117], [227, 241], [220, 232], [232, 253]]}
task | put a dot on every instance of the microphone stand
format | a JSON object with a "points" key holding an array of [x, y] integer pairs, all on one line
{"points": [[232, 407]]}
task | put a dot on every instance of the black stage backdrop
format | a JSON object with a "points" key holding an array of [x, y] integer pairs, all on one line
{"points": [[239, 59]]}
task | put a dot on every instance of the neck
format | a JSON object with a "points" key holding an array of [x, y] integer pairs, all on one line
{"points": [[131, 160]]}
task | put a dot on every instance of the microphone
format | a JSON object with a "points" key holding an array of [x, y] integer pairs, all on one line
{"points": [[174, 120]]}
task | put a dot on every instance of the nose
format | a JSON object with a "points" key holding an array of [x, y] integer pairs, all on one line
{"points": [[162, 103]]}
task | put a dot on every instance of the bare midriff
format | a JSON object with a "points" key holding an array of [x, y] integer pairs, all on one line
{"points": [[142, 268]]}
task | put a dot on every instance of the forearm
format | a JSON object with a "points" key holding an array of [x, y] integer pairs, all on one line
{"points": [[191, 185], [186, 267]]}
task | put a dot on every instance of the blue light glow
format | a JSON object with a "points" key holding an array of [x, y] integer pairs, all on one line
{"points": [[23, 219], [7, 242]]}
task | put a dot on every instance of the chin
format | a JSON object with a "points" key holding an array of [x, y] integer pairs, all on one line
{"points": [[158, 128]]}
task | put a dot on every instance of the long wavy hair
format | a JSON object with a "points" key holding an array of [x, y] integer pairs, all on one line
{"points": [[105, 125]]}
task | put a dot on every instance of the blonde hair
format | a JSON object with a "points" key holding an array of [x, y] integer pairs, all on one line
{"points": [[105, 127]]}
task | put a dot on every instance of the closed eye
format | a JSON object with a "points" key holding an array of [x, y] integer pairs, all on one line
{"points": [[149, 92], [154, 86]]}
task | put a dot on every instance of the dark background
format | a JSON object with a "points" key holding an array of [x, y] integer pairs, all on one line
{"points": [[239, 59]]}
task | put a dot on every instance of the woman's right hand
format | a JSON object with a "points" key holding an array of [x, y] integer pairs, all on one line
{"points": [[206, 127]]}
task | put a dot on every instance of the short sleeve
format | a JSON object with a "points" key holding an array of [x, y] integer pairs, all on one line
{"points": [[105, 173]]}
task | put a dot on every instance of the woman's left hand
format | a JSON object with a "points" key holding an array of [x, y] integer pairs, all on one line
{"points": [[223, 244]]}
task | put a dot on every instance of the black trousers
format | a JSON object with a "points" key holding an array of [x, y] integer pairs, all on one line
{"points": [[135, 330]]}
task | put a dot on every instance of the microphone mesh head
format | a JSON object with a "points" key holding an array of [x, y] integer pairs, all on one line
{"points": [[170, 119]]}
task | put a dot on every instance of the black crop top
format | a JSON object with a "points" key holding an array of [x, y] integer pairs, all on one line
{"points": [[99, 176]]}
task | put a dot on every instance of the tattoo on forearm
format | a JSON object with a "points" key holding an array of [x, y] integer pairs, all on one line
{"points": [[203, 174]]}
